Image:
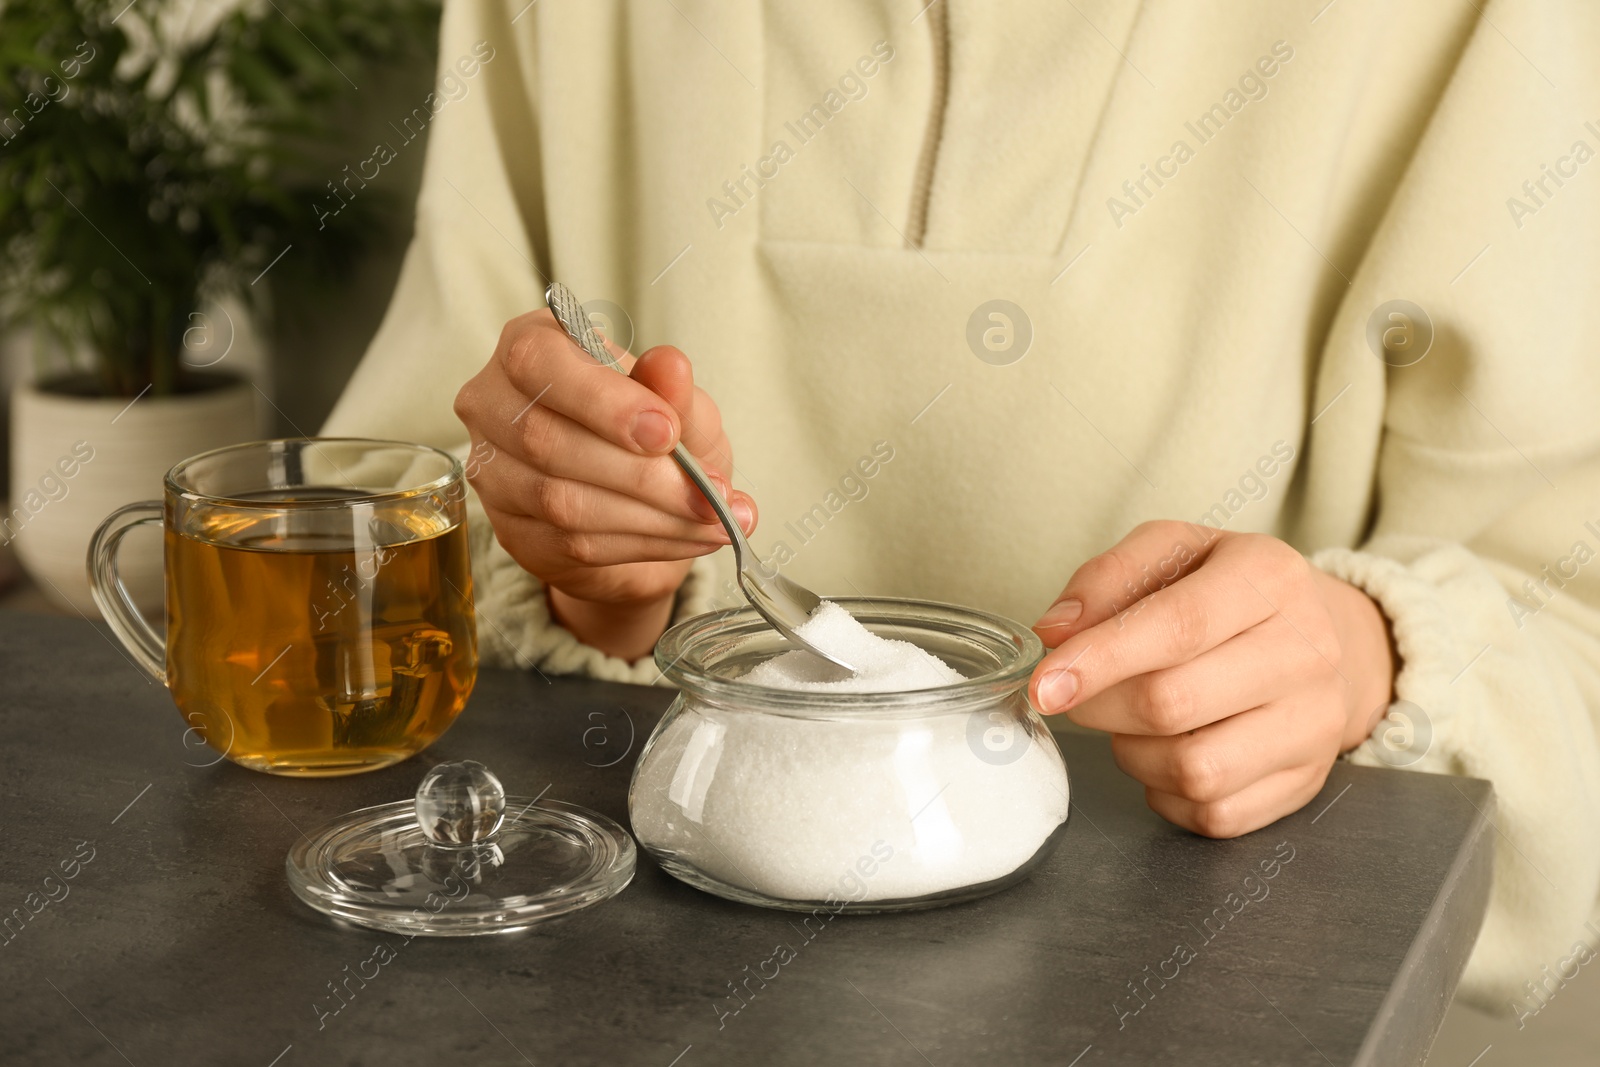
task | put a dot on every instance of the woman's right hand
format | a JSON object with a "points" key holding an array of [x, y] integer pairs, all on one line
{"points": [[574, 469]]}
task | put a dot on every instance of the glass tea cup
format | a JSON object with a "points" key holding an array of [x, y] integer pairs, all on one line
{"points": [[318, 600]]}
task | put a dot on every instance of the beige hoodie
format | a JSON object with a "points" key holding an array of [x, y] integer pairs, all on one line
{"points": [[1196, 213]]}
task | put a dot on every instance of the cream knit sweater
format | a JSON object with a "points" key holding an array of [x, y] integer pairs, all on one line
{"points": [[1194, 210]]}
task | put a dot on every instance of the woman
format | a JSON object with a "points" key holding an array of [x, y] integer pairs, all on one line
{"points": [[996, 297]]}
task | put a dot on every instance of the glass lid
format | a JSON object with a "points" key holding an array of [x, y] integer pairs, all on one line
{"points": [[461, 859]]}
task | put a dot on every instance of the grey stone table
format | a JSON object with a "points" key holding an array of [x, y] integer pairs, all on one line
{"points": [[177, 940]]}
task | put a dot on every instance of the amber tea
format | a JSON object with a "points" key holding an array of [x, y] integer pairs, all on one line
{"points": [[314, 629]]}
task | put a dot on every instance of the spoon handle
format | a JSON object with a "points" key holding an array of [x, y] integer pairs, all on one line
{"points": [[702, 482], [569, 313]]}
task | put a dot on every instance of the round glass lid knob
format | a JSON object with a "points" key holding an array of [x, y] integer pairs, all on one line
{"points": [[460, 803]]}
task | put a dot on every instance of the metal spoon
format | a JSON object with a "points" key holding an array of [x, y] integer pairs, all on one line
{"points": [[784, 604]]}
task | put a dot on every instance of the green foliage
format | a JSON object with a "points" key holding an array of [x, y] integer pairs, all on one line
{"points": [[155, 153]]}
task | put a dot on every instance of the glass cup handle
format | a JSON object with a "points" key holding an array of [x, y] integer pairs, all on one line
{"points": [[112, 597]]}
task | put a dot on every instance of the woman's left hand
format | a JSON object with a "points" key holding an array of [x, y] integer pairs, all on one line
{"points": [[1229, 672]]}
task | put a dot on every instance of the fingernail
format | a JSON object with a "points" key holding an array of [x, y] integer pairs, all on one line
{"points": [[745, 514], [701, 506], [1064, 613], [652, 431], [1056, 691], [698, 502]]}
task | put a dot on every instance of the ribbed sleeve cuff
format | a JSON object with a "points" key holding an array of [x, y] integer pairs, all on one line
{"points": [[1429, 662]]}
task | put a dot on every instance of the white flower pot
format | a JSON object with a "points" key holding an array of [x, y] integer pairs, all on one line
{"points": [[77, 458]]}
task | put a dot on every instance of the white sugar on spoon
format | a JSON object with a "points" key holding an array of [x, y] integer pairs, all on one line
{"points": [[882, 665]]}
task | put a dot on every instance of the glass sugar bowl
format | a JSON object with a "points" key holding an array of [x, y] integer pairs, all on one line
{"points": [[867, 801]]}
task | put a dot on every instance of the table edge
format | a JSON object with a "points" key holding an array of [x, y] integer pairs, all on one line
{"points": [[1433, 964]]}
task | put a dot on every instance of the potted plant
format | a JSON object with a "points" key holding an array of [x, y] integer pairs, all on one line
{"points": [[160, 165]]}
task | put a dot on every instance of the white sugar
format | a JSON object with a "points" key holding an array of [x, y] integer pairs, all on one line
{"points": [[881, 665], [787, 807], [859, 808]]}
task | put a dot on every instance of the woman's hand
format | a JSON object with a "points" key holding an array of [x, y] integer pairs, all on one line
{"points": [[572, 464], [1229, 672]]}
